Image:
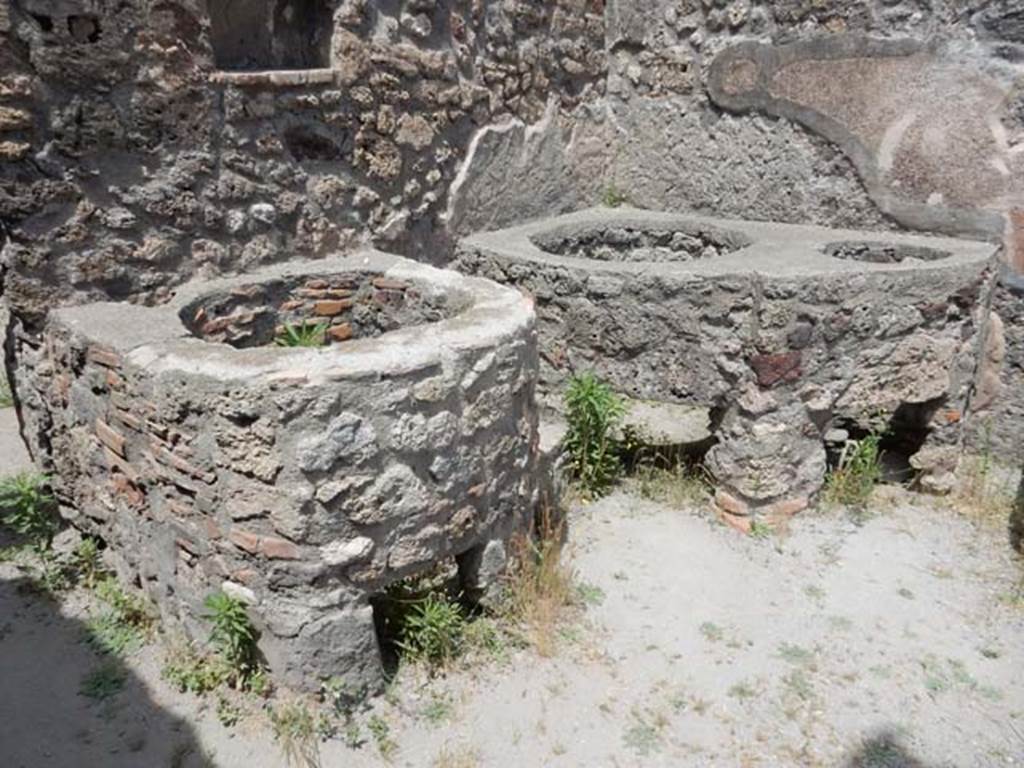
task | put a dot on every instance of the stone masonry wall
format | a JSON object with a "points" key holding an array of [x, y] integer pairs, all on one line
{"points": [[129, 166], [130, 162]]}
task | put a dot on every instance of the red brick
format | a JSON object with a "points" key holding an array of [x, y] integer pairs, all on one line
{"points": [[170, 459], [342, 332], [127, 490], [110, 437], [116, 462], [740, 522], [387, 284], [278, 549], [1015, 239], [331, 307], [102, 356], [129, 420], [246, 540], [773, 369], [780, 511], [213, 531], [729, 503]]}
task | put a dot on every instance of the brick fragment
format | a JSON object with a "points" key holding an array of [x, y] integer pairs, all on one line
{"points": [[777, 368], [110, 437], [246, 540], [342, 332], [331, 307], [102, 356]]}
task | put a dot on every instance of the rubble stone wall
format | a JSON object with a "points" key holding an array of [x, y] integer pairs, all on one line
{"points": [[141, 144], [302, 481]]}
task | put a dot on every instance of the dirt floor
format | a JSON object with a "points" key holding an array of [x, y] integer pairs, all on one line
{"points": [[893, 641]]}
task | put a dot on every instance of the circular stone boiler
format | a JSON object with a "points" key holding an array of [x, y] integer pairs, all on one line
{"points": [[300, 480], [784, 333]]}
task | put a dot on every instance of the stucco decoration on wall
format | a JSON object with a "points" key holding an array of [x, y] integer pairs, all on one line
{"points": [[929, 132]]}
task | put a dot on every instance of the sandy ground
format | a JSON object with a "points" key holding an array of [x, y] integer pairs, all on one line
{"points": [[894, 643]]}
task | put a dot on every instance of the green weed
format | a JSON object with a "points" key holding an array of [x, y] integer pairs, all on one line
{"points": [[590, 594], [433, 629], [593, 411], [613, 197], [858, 471], [795, 654], [122, 628], [6, 398], [643, 736], [381, 732], [742, 690], [233, 636], [302, 335], [28, 509], [189, 672], [712, 632], [104, 681], [437, 710], [228, 712], [86, 561]]}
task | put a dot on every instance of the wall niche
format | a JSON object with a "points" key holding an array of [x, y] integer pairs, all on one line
{"points": [[254, 35]]}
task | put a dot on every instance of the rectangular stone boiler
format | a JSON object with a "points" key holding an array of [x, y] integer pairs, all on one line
{"points": [[786, 333]]}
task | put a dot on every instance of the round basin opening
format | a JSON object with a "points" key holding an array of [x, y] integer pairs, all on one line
{"points": [[883, 253], [625, 243], [317, 310]]}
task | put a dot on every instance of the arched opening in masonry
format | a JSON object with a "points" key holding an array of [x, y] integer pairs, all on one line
{"points": [[253, 35]]}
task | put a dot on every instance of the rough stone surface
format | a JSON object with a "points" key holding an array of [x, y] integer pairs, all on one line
{"points": [[305, 479], [997, 407], [783, 341]]}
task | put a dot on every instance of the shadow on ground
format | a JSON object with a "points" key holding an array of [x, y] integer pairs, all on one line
{"points": [[46, 718], [884, 750]]}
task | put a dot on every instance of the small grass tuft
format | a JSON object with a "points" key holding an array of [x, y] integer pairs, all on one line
{"points": [[123, 627], [457, 757], [381, 732], [681, 485], [712, 632], [87, 563], [104, 681], [302, 335], [540, 590], [613, 197], [644, 734], [190, 672], [859, 469], [28, 508], [6, 398], [294, 728]]}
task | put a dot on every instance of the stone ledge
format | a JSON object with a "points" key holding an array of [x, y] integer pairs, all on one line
{"points": [[275, 77]]}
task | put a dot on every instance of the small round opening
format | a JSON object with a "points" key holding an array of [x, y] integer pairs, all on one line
{"points": [[883, 253], [626, 243], [316, 311]]}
